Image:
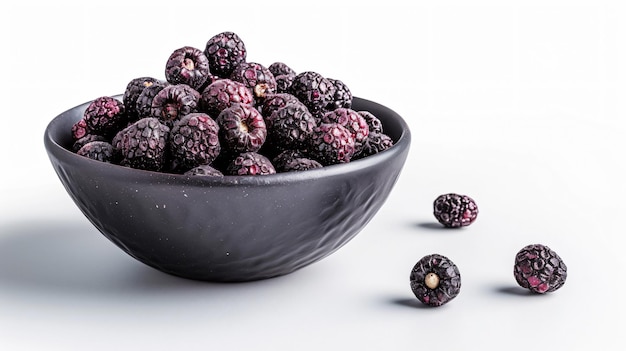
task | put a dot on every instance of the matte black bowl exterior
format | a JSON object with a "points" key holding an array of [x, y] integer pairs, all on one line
{"points": [[233, 228]]}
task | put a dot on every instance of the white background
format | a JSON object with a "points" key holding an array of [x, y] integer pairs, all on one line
{"points": [[517, 104]]}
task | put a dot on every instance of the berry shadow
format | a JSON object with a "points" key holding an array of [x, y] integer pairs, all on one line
{"points": [[434, 226], [410, 302], [514, 291]]}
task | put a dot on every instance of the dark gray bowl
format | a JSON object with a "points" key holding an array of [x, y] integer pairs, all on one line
{"points": [[233, 228]]}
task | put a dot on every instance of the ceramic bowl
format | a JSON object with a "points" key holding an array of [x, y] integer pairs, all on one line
{"points": [[232, 228]]}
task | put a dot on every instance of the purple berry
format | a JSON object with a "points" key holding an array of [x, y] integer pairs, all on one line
{"points": [[79, 129], [280, 68], [352, 121], [143, 105], [87, 139], [374, 124], [225, 51], [290, 127], [223, 93], [281, 159], [142, 145], [132, 92], [97, 150], [342, 97], [539, 269], [275, 101], [331, 143], [375, 143], [256, 77], [105, 116], [204, 171], [284, 76], [250, 163], [299, 164], [241, 128], [173, 102], [187, 65], [454, 210], [315, 91], [435, 280], [193, 141]]}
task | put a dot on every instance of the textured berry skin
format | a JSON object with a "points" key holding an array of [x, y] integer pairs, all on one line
{"points": [[241, 128], [193, 141], [448, 277], [374, 124], [204, 171], [350, 119], [331, 143], [375, 143], [105, 116], [224, 93], [225, 51], [142, 145], [173, 102], [87, 139], [282, 158], [79, 129], [143, 105], [97, 150], [290, 127], [187, 65], [280, 68], [275, 101], [539, 269], [250, 163], [342, 96], [315, 91], [284, 76], [132, 92], [299, 164], [256, 77], [454, 210]]}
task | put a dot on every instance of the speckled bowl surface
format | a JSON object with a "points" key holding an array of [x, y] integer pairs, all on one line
{"points": [[232, 228]]}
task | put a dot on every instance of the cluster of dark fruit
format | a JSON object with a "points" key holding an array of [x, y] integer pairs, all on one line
{"points": [[216, 113]]}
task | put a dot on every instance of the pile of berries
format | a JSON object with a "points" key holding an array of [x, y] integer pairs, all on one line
{"points": [[216, 113]]}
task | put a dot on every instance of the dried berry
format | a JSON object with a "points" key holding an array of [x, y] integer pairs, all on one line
{"points": [[142, 145], [342, 97], [435, 280], [315, 91], [250, 163], [225, 51], [173, 102], [374, 124], [241, 128], [275, 101], [284, 76], [290, 127], [375, 143], [105, 116], [204, 170], [299, 164], [282, 158], [331, 143], [79, 129], [223, 93], [280, 68], [194, 141], [132, 92], [87, 139], [454, 210], [352, 121], [187, 65], [97, 150], [143, 105], [539, 269], [256, 77]]}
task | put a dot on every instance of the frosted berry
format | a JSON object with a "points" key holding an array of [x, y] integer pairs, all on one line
{"points": [[290, 127], [193, 141], [79, 129], [256, 77], [454, 210], [315, 91], [342, 96], [374, 124], [299, 164], [375, 143], [280, 68], [435, 280], [241, 128], [173, 102], [97, 150], [539, 269], [204, 170], [284, 76], [350, 119], [225, 51], [331, 143], [105, 116], [142, 145], [87, 139], [223, 93], [132, 92], [282, 158], [187, 65], [143, 105], [250, 163], [275, 101]]}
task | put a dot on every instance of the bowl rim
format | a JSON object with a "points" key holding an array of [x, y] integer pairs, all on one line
{"points": [[58, 151]]}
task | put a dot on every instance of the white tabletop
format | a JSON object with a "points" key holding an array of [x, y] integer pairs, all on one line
{"points": [[518, 105]]}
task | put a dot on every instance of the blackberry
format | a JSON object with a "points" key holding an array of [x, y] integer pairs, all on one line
{"points": [[79, 129], [375, 143], [342, 97], [173, 102], [374, 124], [225, 51], [275, 101], [204, 170], [143, 105], [315, 91], [290, 127], [284, 76], [142, 144], [281, 159], [539, 269], [435, 280], [222, 94], [210, 79], [132, 92], [454, 210], [250, 163], [241, 128], [256, 77], [97, 150], [299, 164], [331, 143], [187, 65], [193, 141], [87, 139], [352, 121], [105, 116]]}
